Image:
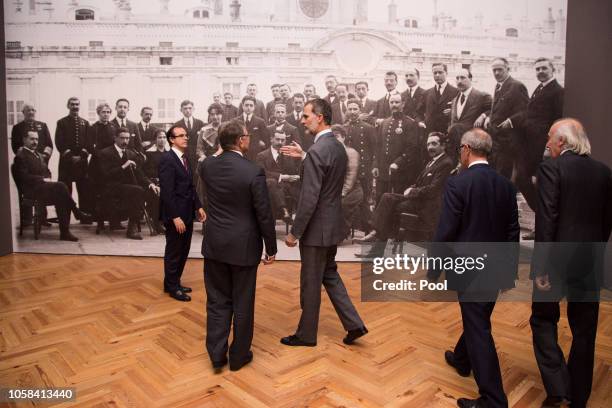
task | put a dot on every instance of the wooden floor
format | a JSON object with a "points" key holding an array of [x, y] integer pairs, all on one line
{"points": [[102, 325]]}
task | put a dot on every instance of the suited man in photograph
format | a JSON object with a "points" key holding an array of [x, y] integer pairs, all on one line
{"points": [[282, 176], [179, 206], [239, 222], [319, 227], [294, 118], [479, 205], [260, 108], [122, 107], [414, 107], [422, 198], [330, 85], [255, 125], [74, 143], [276, 98], [575, 207], [122, 180], [309, 91], [509, 102], [339, 110], [438, 100], [282, 125], [544, 107], [367, 105], [28, 124], [33, 179], [469, 110], [151, 170], [147, 131], [193, 126], [383, 110]]}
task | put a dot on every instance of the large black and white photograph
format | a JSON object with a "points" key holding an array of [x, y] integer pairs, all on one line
{"points": [[93, 86]]}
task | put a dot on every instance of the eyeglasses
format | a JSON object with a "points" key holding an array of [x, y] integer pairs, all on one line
{"points": [[247, 135], [185, 135]]}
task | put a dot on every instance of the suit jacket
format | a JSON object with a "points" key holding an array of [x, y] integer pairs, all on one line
{"points": [[259, 133], [151, 166], [304, 138], [382, 110], [510, 101], [414, 106], [239, 212], [147, 136], [135, 138], [329, 97], [427, 189], [318, 219], [575, 211], [73, 138], [273, 168], [338, 118], [229, 112], [476, 104], [270, 109], [435, 104], [177, 194], [111, 174], [479, 205], [399, 148], [368, 107], [44, 137], [196, 126], [290, 130], [544, 107], [260, 110], [29, 171]]}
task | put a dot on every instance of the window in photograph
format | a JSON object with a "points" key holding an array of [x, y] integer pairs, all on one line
{"points": [[84, 14], [166, 109], [92, 104], [96, 43], [165, 60], [233, 88], [511, 32], [14, 114]]}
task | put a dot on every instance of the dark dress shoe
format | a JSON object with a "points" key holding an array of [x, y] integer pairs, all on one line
{"points": [[218, 365], [67, 236], [353, 335], [469, 403], [449, 356], [551, 402], [294, 340], [238, 366], [184, 289], [116, 226], [45, 224], [371, 237], [179, 295], [133, 235]]}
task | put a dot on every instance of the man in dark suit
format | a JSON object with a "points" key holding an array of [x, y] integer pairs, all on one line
{"points": [[260, 108], [74, 143], [422, 198], [309, 92], [286, 98], [179, 206], [330, 85], [438, 100], [122, 107], [33, 178], [544, 107], [383, 110], [193, 125], [147, 131], [573, 225], [319, 226], [282, 176], [151, 170], [414, 107], [469, 110], [479, 205], [339, 110], [123, 183], [237, 197], [276, 98], [256, 127], [229, 110], [361, 136], [367, 105], [294, 118], [396, 162], [29, 123], [281, 125], [509, 102]]}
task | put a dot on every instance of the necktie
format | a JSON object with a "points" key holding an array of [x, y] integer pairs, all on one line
{"points": [[343, 109], [122, 123], [497, 87], [146, 126], [537, 90], [185, 162], [188, 125], [462, 100], [123, 155], [411, 92]]}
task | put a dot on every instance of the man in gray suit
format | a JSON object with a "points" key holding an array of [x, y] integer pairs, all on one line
{"points": [[318, 224]]}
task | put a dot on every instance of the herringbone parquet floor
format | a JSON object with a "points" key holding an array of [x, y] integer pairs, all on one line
{"points": [[102, 325]]}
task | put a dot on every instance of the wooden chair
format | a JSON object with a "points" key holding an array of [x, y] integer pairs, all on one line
{"points": [[27, 203]]}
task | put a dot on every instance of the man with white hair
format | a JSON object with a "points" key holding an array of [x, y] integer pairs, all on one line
{"points": [[575, 207]]}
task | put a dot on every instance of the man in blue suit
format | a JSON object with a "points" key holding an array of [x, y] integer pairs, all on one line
{"points": [[179, 204], [480, 206], [239, 219]]}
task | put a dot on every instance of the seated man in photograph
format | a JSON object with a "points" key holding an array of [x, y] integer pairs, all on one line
{"points": [[123, 181], [422, 198], [151, 167], [33, 179], [282, 176]]}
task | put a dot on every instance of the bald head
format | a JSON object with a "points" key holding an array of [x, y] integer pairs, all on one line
{"points": [[568, 134]]}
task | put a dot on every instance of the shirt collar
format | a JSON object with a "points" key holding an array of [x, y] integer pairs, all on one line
{"points": [[437, 157], [468, 91], [443, 85], [321, 133], [547, 82], [237, 151], [475, 162], [274, 153], [178, 153], [29, 150], [119, 150]]}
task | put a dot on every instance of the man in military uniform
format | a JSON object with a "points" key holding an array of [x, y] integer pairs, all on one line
{"points": [[397, 158], [122, 106], [74, 143], [29, 123], [361, 136]]}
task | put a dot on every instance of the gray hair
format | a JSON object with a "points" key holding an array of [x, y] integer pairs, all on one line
{"points": [[26, 106], [480, 142], [102, 106], [573, 134]]}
